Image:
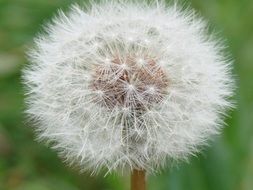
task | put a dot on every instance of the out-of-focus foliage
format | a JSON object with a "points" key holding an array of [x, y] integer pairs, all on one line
{"points": [[27, 165]]}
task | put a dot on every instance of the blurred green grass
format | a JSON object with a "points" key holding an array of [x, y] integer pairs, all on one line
{"points": [[27, 165]]}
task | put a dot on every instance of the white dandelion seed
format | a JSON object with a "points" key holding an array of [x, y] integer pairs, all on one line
{"points": [[127, 85]]}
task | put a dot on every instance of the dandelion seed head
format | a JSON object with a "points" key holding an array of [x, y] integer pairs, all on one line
{"points": [[127, 85]]}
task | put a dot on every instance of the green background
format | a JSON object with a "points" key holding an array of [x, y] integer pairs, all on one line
{"points": [[27, 165]]}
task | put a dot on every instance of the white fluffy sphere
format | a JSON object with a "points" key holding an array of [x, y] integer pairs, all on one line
{"points": [[127, 85]]}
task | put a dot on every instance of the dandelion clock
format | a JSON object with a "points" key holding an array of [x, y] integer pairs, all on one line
{"points": [[127, 86]]}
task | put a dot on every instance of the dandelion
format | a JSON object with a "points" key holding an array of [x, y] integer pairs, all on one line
{"points": [[127, 86]]}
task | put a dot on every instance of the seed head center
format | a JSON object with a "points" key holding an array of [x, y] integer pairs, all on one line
{"points": [[132, 82]]}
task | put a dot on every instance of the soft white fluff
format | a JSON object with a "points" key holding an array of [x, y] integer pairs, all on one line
{"points": [[69, 113]]}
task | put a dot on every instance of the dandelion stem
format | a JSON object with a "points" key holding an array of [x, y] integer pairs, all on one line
{"points": [[138, 180]]}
